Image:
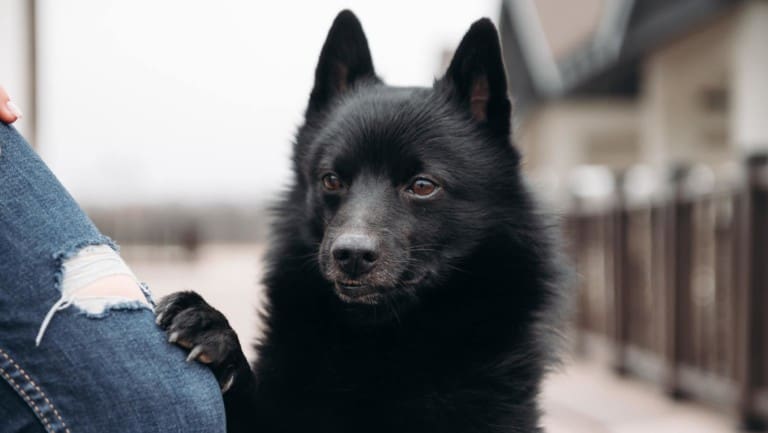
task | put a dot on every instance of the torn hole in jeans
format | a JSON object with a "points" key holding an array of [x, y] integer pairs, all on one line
{"points": [[95, 280]]}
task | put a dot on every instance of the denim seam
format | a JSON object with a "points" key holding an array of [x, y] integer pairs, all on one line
{"points": [[30, 401]]}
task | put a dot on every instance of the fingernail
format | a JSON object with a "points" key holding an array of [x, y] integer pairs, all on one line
{"points": [[14, 109]]}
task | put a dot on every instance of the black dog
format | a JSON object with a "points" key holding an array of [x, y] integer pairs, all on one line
{"points": [[412, 284]]}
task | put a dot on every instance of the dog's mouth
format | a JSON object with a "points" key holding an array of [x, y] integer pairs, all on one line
{"points": [[357, 292]]}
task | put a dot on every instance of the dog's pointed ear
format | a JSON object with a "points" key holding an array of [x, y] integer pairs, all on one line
{"points": [[477, 79], [344, 59]]}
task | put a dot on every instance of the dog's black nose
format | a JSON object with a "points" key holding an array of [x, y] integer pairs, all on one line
{"points": [[355, 254]]}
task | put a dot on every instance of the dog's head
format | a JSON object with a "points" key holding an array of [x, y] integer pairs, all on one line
{"points": [[402, 185]]}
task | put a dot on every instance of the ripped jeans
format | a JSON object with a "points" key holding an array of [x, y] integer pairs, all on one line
{"points": [[74, 356]]}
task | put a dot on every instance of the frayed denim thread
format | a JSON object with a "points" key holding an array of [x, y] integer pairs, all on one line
{"points": [[109, 303]]}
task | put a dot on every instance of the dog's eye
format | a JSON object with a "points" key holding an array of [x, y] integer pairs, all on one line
{"points": [[331, 182], [422, 187]]}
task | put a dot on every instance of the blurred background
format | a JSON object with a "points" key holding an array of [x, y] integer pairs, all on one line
{"points": [[644, 124]]}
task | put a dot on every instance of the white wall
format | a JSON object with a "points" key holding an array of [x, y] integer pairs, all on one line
{"points": [[677, 125], [750, 78], [557, 138]]}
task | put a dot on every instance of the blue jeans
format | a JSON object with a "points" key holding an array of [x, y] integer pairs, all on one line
{"points": [[70, 367]]}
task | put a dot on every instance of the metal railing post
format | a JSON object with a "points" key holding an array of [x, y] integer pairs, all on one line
{"points": [[620, 316], [753, 250], [678, 269]]}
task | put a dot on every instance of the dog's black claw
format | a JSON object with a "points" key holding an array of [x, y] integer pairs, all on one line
{"points": [[193, 324]]}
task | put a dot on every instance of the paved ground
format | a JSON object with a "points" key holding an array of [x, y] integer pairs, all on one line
{"points": [[583, 398], [587, 398]]}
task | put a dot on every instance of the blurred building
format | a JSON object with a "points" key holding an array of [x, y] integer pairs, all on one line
{"points": [[616, 83], [645, 123]]}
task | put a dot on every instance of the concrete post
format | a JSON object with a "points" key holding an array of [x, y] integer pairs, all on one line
{"points": [[18, 69]]}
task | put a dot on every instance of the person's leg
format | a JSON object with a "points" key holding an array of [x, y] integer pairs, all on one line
{"points": [[79, 348]]}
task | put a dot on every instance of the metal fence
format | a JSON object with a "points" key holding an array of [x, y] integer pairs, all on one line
{"points": [[676, 284]]}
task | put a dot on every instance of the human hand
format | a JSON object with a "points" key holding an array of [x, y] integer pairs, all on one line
{"points": [[9, 112]]}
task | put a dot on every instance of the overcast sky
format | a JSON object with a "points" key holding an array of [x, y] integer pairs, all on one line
{"points": [[188, 101]]}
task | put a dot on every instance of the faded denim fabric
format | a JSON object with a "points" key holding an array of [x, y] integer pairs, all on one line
{"points": [[105, 373]]}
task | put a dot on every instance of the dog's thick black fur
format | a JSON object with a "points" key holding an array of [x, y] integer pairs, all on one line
{"points": [[412, 284]]}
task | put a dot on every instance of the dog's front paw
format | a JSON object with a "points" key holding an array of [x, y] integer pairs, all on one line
{"points": [[193, 324]]}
